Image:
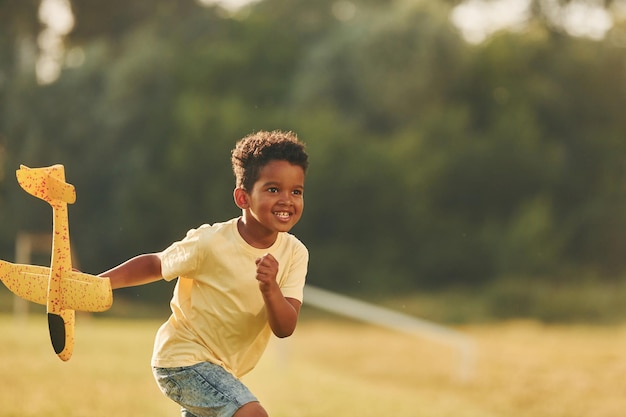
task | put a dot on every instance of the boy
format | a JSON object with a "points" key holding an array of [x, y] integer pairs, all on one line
{"points": [[238, 282]]}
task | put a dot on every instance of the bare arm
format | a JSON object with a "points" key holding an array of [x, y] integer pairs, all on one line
{"points": [[139, 270], [282, 311]]}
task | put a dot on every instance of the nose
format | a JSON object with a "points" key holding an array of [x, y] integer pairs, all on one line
{"points": [[286, 198]]}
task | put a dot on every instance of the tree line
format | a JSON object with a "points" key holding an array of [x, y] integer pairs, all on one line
{"points": [[434, 162]]}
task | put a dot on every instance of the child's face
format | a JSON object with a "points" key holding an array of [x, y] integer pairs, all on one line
{"points": [[276, 200]]}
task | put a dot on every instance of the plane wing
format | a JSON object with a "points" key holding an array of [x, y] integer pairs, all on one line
{"points": [[79, 291]]}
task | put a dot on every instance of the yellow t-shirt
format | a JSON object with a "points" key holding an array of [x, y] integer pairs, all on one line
{"points": [[218, 312]]}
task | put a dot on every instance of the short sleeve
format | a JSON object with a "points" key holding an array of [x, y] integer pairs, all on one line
{"points": [[293, 285], [181, 258]]}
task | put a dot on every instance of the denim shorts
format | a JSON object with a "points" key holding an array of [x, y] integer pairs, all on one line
{"points": [[203, 390]]}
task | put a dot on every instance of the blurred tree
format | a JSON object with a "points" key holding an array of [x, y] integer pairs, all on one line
{"points": [[18, 50], [386, 68], [476, 146], [116, 18], [434, 162]]}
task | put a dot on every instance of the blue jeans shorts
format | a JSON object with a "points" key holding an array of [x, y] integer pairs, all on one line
{"points": [[203, 390]]}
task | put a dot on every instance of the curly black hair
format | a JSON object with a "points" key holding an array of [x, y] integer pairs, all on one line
{"points": [[254, 151]]}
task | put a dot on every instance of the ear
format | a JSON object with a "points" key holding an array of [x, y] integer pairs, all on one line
{"points": [[241, 198]]}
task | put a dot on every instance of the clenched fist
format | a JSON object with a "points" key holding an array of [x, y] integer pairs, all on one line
{"points": [[266, 271]]}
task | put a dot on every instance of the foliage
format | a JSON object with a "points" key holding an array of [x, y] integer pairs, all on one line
{"points": [[435, 163]]}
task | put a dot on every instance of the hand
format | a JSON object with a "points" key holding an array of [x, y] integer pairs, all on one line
{"points": [[266, 271]]}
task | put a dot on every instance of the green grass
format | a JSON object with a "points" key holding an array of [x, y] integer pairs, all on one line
{"points": [[108, 375], [329, 368]]}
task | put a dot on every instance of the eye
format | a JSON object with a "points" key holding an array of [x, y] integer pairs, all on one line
{"points": [[297, 192], [272, 189]]}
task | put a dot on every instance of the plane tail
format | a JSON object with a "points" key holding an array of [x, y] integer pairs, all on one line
{"points": [[47, 183]]}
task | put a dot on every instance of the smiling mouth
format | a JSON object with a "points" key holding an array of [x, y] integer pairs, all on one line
{"points": [[283, 215]]}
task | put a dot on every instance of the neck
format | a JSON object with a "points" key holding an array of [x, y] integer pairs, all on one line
{"points": [[255, 236]]}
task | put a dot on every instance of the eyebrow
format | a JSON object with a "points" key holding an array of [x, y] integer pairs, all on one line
{"points": [[269, 183]]}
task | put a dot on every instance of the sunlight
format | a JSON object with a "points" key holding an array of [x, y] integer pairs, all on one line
{"points": [[586, 20], [478, 19], [58, 20], [227, 4]]}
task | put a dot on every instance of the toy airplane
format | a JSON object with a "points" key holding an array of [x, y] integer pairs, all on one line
{"points": [[58, 287]]}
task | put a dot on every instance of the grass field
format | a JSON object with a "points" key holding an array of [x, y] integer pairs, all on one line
{"points": [[330, 368]]}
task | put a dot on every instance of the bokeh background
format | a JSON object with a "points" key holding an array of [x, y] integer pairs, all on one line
{"points": [[468, 158]]}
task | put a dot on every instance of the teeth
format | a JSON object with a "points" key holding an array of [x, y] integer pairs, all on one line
{"points": [[282, 214]]}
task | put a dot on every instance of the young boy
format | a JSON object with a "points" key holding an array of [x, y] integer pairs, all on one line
{"points": [[238, 282]]}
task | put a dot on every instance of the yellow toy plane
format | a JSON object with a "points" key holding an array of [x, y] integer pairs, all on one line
{"points": [[58, 287]]}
